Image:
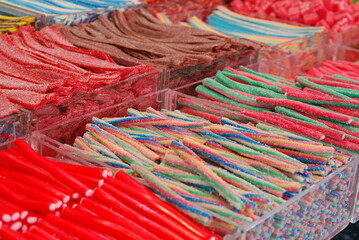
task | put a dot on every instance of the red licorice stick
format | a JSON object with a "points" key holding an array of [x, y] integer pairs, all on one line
{"points": [[31, 236], [284, 123], [45, 233], [103, 226], [8, 209], [24, 201], [89, 180], [142, 209], [89, 171], [165, 207], [118, 189], [74, 228], [299, 106], [10, 161], [35, 193], [148, 225], [37, 183], [55, 230], [59, 173], [7, 234]]}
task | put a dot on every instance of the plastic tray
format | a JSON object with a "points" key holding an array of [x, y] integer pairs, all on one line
{"points": [[83, 103], [189, 74], [66, 131], [14, 126], [319, 212], [71, 19]]}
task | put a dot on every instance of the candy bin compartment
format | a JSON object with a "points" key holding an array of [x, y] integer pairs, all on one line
{"points": [[14, 126], [100, 98], [189, 74], [319, 212], [45, 19], [348, 54], [66, 131]]}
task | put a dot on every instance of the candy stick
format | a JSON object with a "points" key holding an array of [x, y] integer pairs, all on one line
{"points": [[104, 226], [207, 109], [123, 219], [179, 133], [55, 230], [183, 176], [8, 233], [305, 108], [253, 90], [139, 121], [284, 123], [248, 152], [226, 163], [113, 146], [197, 213], [127, 138], [180, 115], [229, 93], [153, 145], [196, 162], [251, 79], [149, 198], [73, 228], [208, 116], [139, 210], [27, 151], [305, 82]]}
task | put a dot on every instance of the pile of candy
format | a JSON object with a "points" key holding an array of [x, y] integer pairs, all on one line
{"points": [[136, 37], [41, 67], [334, 15], [324, 109], [179, 10], [68, 6], [65, 201], [227, 22], [227, 174], [12, 24]]}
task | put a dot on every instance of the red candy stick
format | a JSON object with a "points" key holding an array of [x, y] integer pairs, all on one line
{"points": [[7, 234], [165, 207], [103, 226], [74, 228], [112, 215], [59, 173]]}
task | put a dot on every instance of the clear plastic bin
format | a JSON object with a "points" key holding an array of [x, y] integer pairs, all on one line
{"points": [[189, 74], [66, 131], [100, 98], [14, 126], [319, 212], [71, 19]]}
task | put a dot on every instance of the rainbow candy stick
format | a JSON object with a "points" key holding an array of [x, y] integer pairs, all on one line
{"points": [[237, 136], [214, 180], [199, 214], [249, 152], [126, 138], [233, 167], [113, 146], [173, 160], [180, 115], [179, 133]]}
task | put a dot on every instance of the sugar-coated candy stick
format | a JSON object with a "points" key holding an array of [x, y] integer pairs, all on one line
{"points": [[162, 206], [216, 182], [305, 108], [169, 195]]}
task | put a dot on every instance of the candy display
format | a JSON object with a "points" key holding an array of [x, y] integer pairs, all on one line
{"points": [[14, 126], [227, 22], [11, 24], [81, 202], [67, 6], [172, 151], [55, 78], [336, 16], [149, 41], [179, 10]]}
